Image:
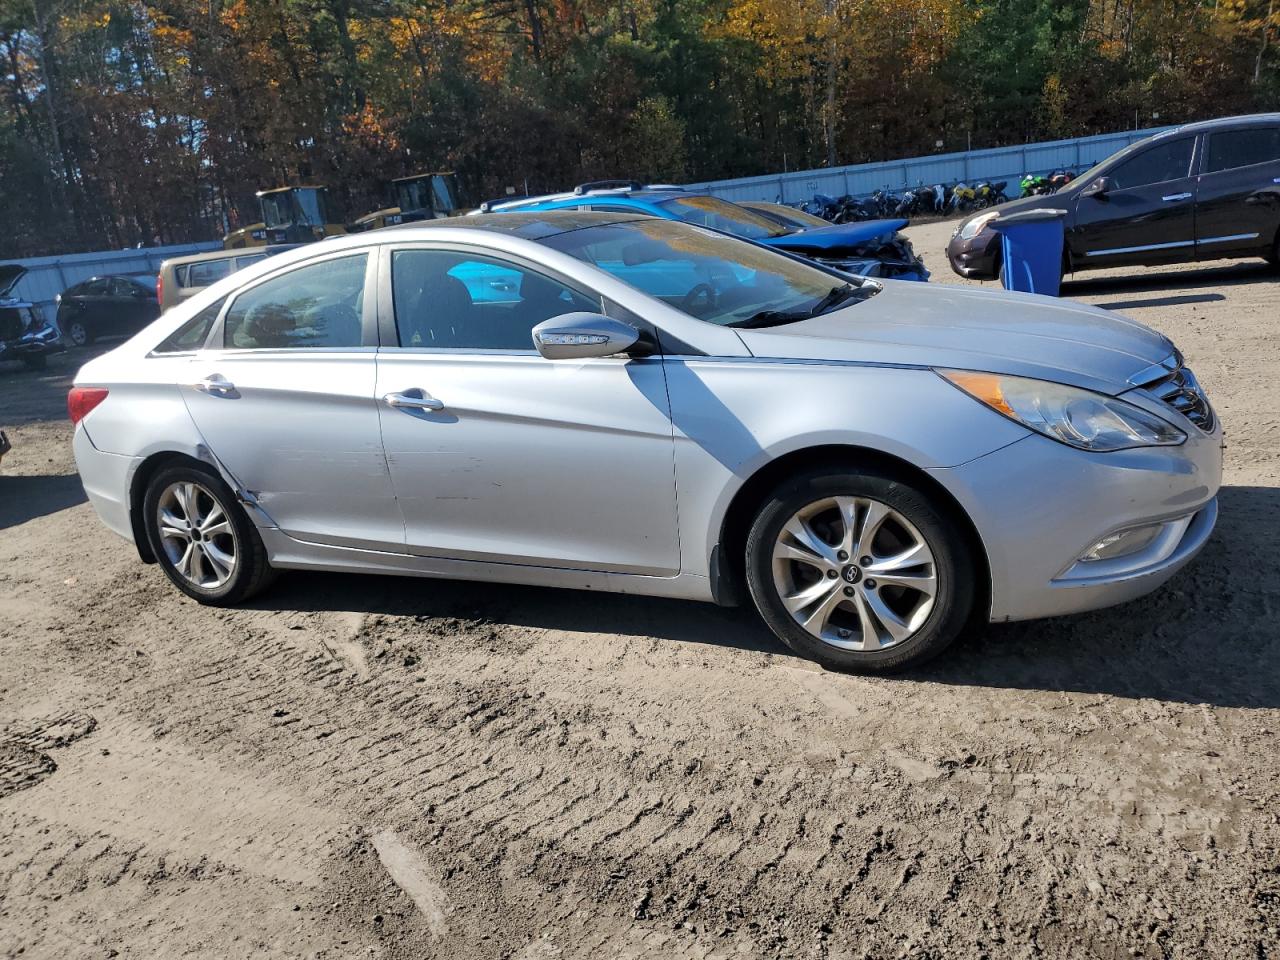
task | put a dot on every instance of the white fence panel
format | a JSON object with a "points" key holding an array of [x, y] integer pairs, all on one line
{"points": [[991, 164], [49, 276]]}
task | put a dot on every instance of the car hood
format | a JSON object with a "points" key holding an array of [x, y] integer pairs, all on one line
{"points": [[1064, 199], [10, 274], [953, 326], [838, 235]]}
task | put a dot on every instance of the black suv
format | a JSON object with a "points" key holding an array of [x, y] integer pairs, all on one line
{"points": [[1202, 191]]}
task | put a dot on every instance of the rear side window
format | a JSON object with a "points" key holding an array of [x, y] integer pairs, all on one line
{"points": [[1242, 148], [207, 272], [191, 335], [242, 262], [1165, 161], [318, 305]]}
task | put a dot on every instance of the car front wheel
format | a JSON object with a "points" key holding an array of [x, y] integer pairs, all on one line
{"points": [[201, 538], [862, 572]]}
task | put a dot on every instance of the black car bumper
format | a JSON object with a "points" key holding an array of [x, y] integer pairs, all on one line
{"points": [[977, 258]]}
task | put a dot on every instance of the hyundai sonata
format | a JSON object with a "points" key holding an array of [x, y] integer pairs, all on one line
{"points": [[607, 402]]}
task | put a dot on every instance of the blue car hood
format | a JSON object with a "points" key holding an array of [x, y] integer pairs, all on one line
{"points": [[838, 235]]}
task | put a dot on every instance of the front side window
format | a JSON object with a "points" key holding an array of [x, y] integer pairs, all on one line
{"points": [[708, 275], [1165, 161], [1243, 148], [459, 301], [95, 288], [317, 305], [721, 215]]}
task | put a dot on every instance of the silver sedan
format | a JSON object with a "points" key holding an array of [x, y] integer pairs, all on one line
{"points": [[605, 402]]}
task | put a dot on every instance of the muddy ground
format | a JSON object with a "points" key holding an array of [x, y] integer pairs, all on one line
{"points": [[396, 768]]}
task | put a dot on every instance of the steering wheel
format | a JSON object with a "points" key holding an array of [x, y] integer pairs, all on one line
{"points": [[704, 292]]}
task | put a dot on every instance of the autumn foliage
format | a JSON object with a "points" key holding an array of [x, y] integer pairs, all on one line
{"points": [[124, 121]]}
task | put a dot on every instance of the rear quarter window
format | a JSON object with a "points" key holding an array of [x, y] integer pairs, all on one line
{"points": [[207, 272], [192, 335]]}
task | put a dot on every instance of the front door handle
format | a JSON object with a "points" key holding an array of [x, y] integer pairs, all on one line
{"points": [[414, 399], [1176, 196], [216, 385]]}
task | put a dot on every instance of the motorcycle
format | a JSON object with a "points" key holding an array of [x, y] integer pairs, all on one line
{"points": [[1034, 185], [1059, 179]]}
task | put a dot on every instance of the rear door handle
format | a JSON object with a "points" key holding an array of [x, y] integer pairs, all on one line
{"points": [[408, 401], [1176, 196], [216, 385]]}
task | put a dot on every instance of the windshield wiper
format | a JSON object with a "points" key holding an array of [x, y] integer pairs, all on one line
{"points": [[774, 318]]}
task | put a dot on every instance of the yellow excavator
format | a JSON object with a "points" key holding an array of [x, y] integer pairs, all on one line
{"points": [[424, 196], [289, 215]]}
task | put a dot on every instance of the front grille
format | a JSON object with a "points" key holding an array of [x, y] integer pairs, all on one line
{"points": [[1182, 391]]}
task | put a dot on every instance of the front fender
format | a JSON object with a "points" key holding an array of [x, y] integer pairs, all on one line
{"points": [[732, 417]]}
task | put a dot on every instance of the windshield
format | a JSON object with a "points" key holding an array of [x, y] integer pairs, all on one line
{"points": [[722, 215], [426, 193], [790, 215], [284, 208], [708, 275]]}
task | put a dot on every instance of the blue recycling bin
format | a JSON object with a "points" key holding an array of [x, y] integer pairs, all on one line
{"points": [[1032, 246]]}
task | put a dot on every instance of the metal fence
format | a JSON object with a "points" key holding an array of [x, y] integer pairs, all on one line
{"points": [[48, 276], [971, 166]]}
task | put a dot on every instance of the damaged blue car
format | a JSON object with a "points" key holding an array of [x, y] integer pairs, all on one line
{"points": [[871, 248]]}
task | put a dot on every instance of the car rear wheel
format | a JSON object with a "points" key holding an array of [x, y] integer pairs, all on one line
{"points": [[79, 334], [201, 538], [862, 572]]}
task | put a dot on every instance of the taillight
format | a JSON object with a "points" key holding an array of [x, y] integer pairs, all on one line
{"points": [[82, 400], [160, 289]]}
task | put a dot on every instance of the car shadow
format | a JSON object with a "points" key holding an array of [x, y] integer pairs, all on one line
{"points": [[1208, 636], [26, 498], [544, 608], [1156, 280], [1161, 301]]}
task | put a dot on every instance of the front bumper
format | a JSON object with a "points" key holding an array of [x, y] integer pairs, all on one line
{"points": [[977, 258], [1039, 506]]}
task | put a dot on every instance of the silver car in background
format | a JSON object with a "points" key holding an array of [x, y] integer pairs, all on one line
{"points": [[605, 402]]}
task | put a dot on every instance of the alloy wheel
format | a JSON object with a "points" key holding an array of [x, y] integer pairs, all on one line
{"points": [[78, 334], [854, 573], [197, 534]]}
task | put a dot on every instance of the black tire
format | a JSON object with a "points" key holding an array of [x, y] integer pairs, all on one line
{"points": [[953, 567], [35, 361], [1273, 257], [252, 572]]}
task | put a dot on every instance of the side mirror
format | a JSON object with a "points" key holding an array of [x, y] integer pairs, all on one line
{"points": [[575, 336], [1099, 188]]}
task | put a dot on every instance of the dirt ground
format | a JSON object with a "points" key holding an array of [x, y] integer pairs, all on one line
{"points": [[396, 768]]}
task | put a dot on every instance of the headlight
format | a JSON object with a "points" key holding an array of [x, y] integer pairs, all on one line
{"points": [[973, 227], [1079, 418]]}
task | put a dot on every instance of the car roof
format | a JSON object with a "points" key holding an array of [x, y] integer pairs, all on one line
{"points": [[528, 224], [622, 194], [1220, 123]]}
